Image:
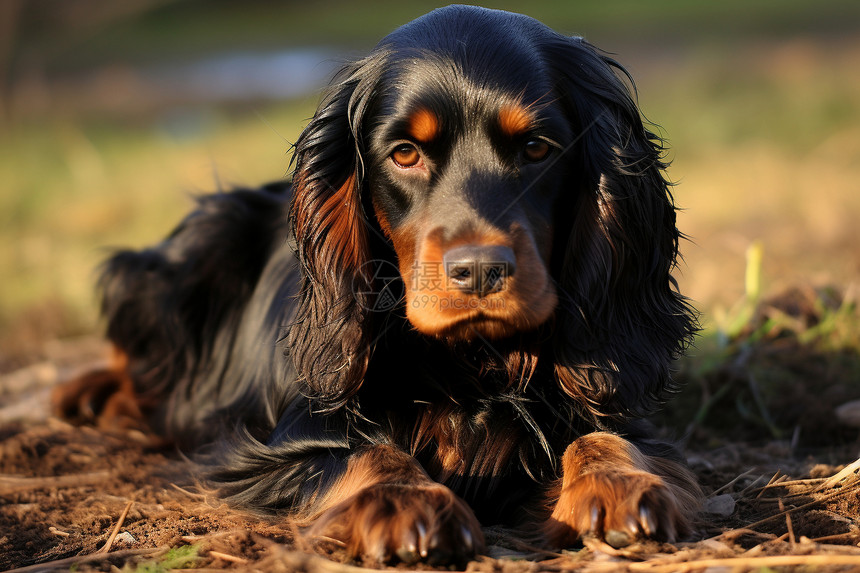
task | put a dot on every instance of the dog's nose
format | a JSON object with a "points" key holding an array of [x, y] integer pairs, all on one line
{"points": [[479, 269]]}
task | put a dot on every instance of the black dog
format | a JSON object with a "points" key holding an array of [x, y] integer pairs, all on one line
{"points": [[453, 315]]}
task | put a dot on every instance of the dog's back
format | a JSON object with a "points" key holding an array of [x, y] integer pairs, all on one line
{"points": [[197, 315]]}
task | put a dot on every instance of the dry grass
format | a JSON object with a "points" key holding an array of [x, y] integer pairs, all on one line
{"points": [[764, 140], [76, 523], [765, 136], [78, 497]]}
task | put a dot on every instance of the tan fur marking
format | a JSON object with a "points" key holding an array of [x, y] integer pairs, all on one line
{"points": [[515, 120], [424, 125], [334, 223], [610, 487], [436, 308], [383, 499], [112, 387]]}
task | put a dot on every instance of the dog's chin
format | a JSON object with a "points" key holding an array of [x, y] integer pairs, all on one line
{"points": [[465, 318], [476, 326]]}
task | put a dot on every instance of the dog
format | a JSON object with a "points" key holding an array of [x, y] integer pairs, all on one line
{"points": [[457, 313]]}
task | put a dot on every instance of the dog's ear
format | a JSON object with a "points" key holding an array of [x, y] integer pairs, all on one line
{"points": [[330, 338], [622, 320]]}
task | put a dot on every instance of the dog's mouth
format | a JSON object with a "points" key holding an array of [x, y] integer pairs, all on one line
{"points": [[480, 327], [490, 284], [496, 309]]}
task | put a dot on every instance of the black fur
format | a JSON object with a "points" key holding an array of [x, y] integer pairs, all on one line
{"points": [[256, 325]]}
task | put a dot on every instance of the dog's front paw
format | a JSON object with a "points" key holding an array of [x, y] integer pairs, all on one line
{"points": [[410, 523], [620, 507]]}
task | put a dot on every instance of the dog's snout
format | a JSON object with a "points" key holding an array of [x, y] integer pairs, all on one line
{"points": [[479, 269]]}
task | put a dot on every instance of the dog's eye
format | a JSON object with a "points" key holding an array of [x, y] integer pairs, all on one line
{"points": [[406, 155], [536, 150]]}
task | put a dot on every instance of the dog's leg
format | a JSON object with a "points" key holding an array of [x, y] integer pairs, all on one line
{"points": [[612, 490], [105, 397], [385, 506]]}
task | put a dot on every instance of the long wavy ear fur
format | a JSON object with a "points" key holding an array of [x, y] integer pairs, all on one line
{"points": [[622, 320], [330, 339]]}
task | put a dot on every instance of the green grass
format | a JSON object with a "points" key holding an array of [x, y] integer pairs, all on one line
{"points": [[182, 557], [75, 189], [760, 102], [774, 367]]}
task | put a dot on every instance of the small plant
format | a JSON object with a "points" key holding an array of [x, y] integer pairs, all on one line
{"points": [[732, 322], [773, 367], [183, 557]]}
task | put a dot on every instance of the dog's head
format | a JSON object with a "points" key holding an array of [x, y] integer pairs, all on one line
{"points": [[507, 169]]}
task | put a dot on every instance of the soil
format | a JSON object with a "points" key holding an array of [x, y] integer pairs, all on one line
{"points": [[65, 489]]}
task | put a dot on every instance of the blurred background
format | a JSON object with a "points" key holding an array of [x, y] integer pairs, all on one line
{"points": [[113, 115]]}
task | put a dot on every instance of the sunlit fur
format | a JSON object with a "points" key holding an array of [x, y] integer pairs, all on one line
{"points": [[254, 332]]}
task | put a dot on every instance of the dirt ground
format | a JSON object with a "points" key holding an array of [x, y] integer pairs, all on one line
{"points": [[76, 498]]}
